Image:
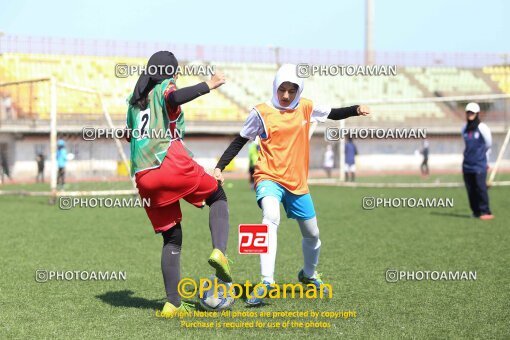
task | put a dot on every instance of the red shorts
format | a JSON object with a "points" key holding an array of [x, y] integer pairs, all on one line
{"points": [[178, 177]]}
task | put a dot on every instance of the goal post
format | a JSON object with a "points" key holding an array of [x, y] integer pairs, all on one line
{"points": [[36, 111], [501, 153], [108, 120]]}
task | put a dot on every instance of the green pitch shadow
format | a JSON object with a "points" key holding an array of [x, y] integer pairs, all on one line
{"points": [[125, 298]]}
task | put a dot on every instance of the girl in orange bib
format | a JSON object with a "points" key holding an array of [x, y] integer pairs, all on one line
{"points": [[281, 172]]}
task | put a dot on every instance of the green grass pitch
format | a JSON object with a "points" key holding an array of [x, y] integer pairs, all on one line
{"points": [[358, 246]]}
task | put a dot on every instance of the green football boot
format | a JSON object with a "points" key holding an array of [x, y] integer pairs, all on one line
{"points": [[219, 261]]}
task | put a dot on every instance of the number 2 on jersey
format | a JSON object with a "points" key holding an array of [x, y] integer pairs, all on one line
{"points": [[144, 119]]}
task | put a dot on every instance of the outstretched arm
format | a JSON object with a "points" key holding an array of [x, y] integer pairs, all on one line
{"points": [[321, 113], [233, 149], [252, 128], [350, 111], [187, 94]]}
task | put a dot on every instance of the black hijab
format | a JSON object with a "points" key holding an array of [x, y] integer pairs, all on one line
{"points": [[473, 124], [157, 62]]}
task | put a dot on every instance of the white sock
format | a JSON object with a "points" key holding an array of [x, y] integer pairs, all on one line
{"points": [[271, 217], [311, 245]]}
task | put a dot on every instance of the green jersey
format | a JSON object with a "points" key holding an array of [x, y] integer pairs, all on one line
{"points": [[153, 129]]}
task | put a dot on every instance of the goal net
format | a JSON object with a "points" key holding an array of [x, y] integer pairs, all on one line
{"points": [[38, 117]]}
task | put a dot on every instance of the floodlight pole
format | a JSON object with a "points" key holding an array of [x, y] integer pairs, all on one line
{"points": [[276, 51], [369, 22]]}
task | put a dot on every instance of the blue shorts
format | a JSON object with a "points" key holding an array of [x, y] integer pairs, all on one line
{"points": [[299, 207]]}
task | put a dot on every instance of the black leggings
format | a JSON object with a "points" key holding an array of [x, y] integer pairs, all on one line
{"points": [[218, 195], [218, 219], [173, 235], [171, 263]]}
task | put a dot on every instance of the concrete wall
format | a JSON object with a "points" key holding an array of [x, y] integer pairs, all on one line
{"points": [[100, 158]]}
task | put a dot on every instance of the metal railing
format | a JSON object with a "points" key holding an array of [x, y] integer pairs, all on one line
{"points": [[225, 53]]}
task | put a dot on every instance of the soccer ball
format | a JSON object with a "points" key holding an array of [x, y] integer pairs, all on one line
{"points": [[223, 300]]}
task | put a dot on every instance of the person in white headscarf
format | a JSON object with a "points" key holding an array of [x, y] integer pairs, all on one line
{"points": [[283, 126]]}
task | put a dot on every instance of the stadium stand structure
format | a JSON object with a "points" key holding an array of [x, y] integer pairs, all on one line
{"points": [[90, 72], [419, 96], [500, 75], [248, 84], [445, 81]]}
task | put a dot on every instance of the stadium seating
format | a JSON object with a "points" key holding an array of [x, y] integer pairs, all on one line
{"points": [[339, 90], [250, 83], [253, 85], [247, 85], [449, 80], [500, 75], [96, 73]]}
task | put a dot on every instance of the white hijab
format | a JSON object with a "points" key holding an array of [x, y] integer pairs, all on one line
{"points": [[287, 72]]}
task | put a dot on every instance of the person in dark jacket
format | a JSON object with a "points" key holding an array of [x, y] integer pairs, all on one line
{"points": [[4, 164], [424, 167], [40, 167], [350, 154], [478, 141]]}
